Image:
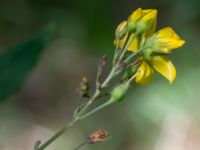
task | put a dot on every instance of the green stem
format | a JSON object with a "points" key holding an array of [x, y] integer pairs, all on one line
{"points": [[110, 101], [97, 93], [107, 103], [134, 54], [80, 115], [110, 76], [116, 53], [59, 133], [127, 46]]}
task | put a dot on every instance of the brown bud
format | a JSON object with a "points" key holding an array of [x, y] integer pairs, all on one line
{"points": [[98, 136]]}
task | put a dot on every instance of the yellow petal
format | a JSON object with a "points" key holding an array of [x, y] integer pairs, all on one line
{"points": [[152, 13], [121, 26], [165, 67], [149, 14], [121, 30], [147, 22], [133, 46], [137, 14], [167, 40], [167, 44], [144, 73], [152, 26], [167, 32]]}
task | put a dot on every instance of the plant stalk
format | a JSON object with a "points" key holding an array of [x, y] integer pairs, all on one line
{"points": [[59, 133]]}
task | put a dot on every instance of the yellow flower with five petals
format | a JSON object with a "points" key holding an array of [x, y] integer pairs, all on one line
{"points": [[164, 41]]}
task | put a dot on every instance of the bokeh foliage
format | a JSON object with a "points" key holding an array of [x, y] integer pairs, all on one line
{"points": [[17, 62], [86, 31]]}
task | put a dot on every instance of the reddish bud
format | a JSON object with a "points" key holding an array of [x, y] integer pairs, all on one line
{"points": [[98, 136]]}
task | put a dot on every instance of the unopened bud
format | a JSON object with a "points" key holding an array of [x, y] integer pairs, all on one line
{"points": [[147, 22], [98, 136], [121, 30], [119, 92], [143, 27]]}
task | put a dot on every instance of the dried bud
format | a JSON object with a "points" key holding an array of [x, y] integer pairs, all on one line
{"points": [[102, 62], [98, 136], [84, 87]]}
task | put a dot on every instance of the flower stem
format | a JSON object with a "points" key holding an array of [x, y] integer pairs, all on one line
{"points": [[116, 53], [134, 54], [108, 102], [59, 133], [81, 115]]}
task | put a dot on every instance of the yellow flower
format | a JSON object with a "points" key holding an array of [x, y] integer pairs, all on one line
{"points": [[161, 64], [165, 40], [141, 19], [159, 43]]}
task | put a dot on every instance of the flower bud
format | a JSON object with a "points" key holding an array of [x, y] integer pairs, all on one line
{"points": [[119, 92], [133, 18], [121, 30], [84, 87], [98, 136], [147, 22], [142, 20]]}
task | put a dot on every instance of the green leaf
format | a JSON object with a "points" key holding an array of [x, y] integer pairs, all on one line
{"points": [[17, 62]]}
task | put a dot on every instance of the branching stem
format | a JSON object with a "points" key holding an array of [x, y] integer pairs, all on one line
{"points": [[82, 113]]}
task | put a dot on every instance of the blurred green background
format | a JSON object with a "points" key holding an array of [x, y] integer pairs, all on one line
{"points": [[154, 117]]}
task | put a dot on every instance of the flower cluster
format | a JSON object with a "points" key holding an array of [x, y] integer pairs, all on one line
{"points": [[138, 32]]}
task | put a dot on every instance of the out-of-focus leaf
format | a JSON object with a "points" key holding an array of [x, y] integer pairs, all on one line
{"points": [[17, 62]]}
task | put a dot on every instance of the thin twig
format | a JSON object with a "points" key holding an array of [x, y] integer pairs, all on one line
{"points": [[135, 54], [53, 138]]}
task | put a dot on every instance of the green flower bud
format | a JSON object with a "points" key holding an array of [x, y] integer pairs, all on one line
{"points": [[119, 92]]}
